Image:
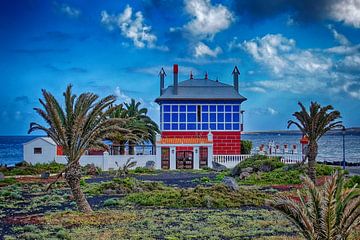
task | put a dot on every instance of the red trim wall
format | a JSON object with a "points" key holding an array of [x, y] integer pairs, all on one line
{"points": [[224, 142]]}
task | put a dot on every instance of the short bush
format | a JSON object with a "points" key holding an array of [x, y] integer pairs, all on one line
{"points": [[258, 162], [27, 169], [325, 170], [246, 146], [354, 180], [111, 202], [276, 177]]}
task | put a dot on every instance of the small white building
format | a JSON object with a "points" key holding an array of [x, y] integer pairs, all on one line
{"points": [[40, 150]]}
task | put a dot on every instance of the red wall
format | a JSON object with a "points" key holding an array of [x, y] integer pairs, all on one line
{"points": [[225, 142]]}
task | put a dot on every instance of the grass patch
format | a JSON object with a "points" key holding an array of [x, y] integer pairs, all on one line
{"points": [[7, 181], [28, 169], [218, 196]]}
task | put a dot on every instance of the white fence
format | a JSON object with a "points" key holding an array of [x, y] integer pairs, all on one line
{"points": [[106, 161], [231, 161]]}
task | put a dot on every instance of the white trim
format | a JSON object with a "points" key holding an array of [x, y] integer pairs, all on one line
{"points": [[185, 144]]}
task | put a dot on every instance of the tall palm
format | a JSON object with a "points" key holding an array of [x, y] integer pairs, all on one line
{"points": [[140, 118], [314, 124], [81, 124], [330, 212]]}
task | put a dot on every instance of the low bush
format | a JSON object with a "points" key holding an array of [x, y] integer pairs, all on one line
{"points": [[217, 196], [7, 181], [325, 170], [258, 163], [354, 180], [27, 169], [246, 146], [276, 177], [111, 202]]}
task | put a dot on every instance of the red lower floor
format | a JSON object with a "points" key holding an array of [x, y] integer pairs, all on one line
{"points": [[224, 143]]}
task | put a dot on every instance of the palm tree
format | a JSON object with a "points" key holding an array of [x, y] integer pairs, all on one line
{"points": [[82, 124], [147, 127], [314, 124], [136, 129], [331, 212]]}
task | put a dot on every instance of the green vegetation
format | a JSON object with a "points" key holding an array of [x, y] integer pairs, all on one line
{"points": [[258, 163], [143, 170], [7, 181], [145, 223], [328, 212], [28, 169], [354, 180], [246, 146], [217, 196]]}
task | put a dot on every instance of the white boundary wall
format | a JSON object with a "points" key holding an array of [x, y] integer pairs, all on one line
{"points": [[106, 161]]}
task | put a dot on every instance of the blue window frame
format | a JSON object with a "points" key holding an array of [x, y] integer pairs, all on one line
{"points": [[236, 117], [175, 117], [227, 108], [191, 108], [228, 126], [236, 126], [174, 126], [182, 117], [191, 126], [182, 126], [205, 108], [166, 108], [174, 108], [182, 108], [205, 126], [227, 117], [167, 126], [191, 117], [212, 108], [236, 108], [166, 117], [212, 117], [220, 126], [204, 117], [220, 117], [212, 126], [220, 108]]}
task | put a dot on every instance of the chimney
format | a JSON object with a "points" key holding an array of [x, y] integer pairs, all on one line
{"points": [[191, 75], [176, 78], [162, 80], [236, 74], [206, 76]]}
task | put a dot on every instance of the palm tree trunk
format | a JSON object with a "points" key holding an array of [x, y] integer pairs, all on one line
{"points": [[73, 177], [313, 150], [131, 148]]}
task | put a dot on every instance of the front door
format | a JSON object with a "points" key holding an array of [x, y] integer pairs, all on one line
{"points": [[165, 158], [184, 160]]}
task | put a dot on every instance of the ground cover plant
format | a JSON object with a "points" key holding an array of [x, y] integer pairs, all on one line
{"points": [[36, 169]]}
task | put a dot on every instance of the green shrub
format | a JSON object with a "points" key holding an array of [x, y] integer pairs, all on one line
{"points": [[217, 196], [36, 169], [258, 162], [7, 181], [246, 146], [111, 202], [325, 170], [275, 177], [353, 181]]}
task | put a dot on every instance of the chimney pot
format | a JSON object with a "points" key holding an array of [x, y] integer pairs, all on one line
{"points": [[236, 74], [162, 75], [176, 78]]}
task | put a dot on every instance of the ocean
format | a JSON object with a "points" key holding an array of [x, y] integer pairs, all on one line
{"points": [[330, 146]]}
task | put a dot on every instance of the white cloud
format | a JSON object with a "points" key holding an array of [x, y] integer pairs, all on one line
{"points": [[121, 96], [344, 49], [282, 57], [202, 49], [272, 111], [347, 11], [207, 19], [338, 36], [70, 11], [131, 26]]}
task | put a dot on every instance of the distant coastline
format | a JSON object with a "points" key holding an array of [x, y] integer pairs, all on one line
{"points": [[352, 130]]}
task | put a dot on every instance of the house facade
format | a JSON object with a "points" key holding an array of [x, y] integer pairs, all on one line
{"points": [[199, 119]]}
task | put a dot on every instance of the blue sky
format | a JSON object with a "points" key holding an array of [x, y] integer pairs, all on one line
{"points": [[286, 50]]}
